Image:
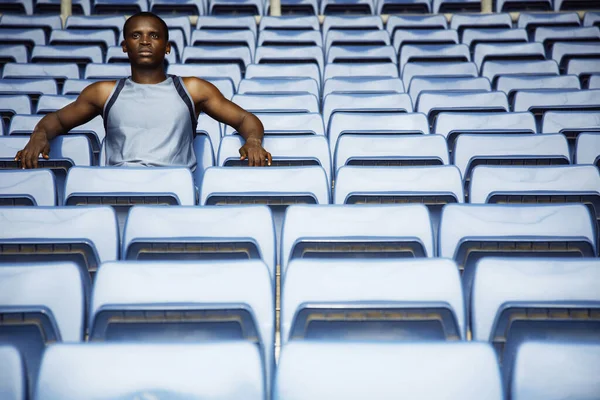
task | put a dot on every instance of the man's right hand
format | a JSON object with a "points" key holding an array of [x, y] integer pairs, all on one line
{"points": [[38, 144]]}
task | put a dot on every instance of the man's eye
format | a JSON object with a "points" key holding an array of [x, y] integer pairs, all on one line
{"points": [[154, 36], [135, 35]]}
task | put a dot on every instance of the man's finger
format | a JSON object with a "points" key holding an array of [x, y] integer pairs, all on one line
{"points": [[269, 159], [35, 160], [18, 156], [243, 153], [25, 160], [261, 158], [251, 159], [46, 152]]}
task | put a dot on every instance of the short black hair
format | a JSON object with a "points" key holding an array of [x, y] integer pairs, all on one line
{"points": [[149, 15]]}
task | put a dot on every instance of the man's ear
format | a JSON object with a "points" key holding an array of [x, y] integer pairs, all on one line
{"points": [[124, 46], [168, 48]]}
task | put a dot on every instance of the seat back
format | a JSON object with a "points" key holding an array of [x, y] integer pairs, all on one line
{"points": [[13, 384], [21, 187]]}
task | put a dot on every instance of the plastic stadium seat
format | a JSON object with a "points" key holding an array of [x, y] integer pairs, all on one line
{"points": [[53, 7], [562, 53], [185, 7], [350, 232], [272, 186], [271, 37], [434, 53], [588, 149], [279, 86], [40, 71], [571, 123], [470, 233], [373, 123], [402, 6], [495, 69], [288, 124], [284, 71], [361, 54], [485, 52], [450, 70], [11, 104], [511, 84], [378, 70], [472, 37], [104, 38], [290, 55], [594, 82], [27, 188], [451, 125], [67, 54], [31, 87], [227, 22], [567, 5], [296, 7], [199, 370], [289, 22], [365, 103], [460, 22], [424, 36], [76, 86], [287, 151], [179, 23], [526, 5], [178, 41], [115, 54], [541, 101], [520, 300], [28, 37], [414, 22], [208, 71], [387, 150], [344, 7], [224, 37], [13, 53], [239, 55], [325, 370], [364, 85], [277, 103], [349, 300], [12, 373], [554, 371], [455, 6], [550, 35], [583, 69], [50, 103], [513, 149], [531, 21], [428, 84], [107, 71], [112, 22], [590, 19], [343, 37], [94, 130], [431, 104], [128, 7], [40, 304], [46, 22], [224, 85], [363, 23], [237, 7]]}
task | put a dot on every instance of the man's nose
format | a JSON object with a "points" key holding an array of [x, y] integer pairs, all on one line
{"points": [[145, 39]]}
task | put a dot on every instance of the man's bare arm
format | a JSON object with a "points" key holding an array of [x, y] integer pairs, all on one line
{"points": [[88, 105], [210, 100]]}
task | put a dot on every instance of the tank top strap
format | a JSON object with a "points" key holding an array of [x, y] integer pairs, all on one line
{"points": [[112, 99], [187, 99]]}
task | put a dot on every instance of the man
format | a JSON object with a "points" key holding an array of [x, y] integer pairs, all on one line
{"points": [[150, 118]]}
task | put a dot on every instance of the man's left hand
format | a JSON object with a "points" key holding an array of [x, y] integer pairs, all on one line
{"points": [[253, 151]]}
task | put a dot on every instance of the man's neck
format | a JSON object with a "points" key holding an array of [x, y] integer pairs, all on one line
{"points": [[148, 76]]}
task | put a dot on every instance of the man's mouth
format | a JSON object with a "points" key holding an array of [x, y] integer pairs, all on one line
{"points": [[145, 52]]}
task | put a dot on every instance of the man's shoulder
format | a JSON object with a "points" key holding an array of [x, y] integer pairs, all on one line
{"points": [[98, 92]]}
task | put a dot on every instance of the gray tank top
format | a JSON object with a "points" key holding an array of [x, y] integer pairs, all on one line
{"points": [[150, 125]]}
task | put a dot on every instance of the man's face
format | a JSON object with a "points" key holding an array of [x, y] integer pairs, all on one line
{"points": [[145, 42]]}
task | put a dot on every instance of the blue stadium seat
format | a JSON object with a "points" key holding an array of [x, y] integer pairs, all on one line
{"points": [[345, 7], [224, 37], [205, 157], [460, 22], [388, 300], [451, 125], [284, 71], [27, 188], [180, 7], [224, 85], [296, 7], [541, 101], [343, 37], [531, 21], [388, 150], [588, 149], [365, 103], [200, 233], [495, 69], [283, 37], [107, 71], [507, 51], [455, 6], [12, 373], [236, 7], [289, 22], [17, 7], [511, 84], [288, 124], [472, 232], [594, 82], [32, 87], [290, 55], [46, 22], [179, 23], [431, 104], [521, 5], [551, 35], [414, 22], [272, 186], [279, 86], [562, 53], [227, 22], [104, 38], [114, 54], [273, 103], [583, 68], [224, 370], [554, 371], [434, 53], [75, 86], [424, 36], [568, 5], [590, 19], [373, 123], [112, 22], [361, 54], [40, 305], [429, 84], [17, 36], [364, 22], [177, 40], [59, 72], [128, 7], [350, 232], [472, 37], [570, 123], [239, 55], [325, 370], [402, 6], [80, 55], [50, 103], [522, 300], [367, 70], [363, 85], [209, 71], [287, 151], [512, 149], [13, 54], [450, 70], [11, 104], [53, 7]]}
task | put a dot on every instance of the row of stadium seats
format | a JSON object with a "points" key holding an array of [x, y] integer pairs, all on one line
{"points": [[513, 301], [308, 371]]}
